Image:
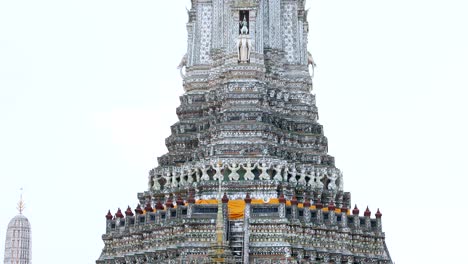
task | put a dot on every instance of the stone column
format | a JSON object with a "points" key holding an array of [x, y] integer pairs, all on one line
{"points": [[319, 207], [367, 219], [378, 219], [247, 200], [356, 222], [191, 202], [108, 221], [294, 211], [282, 206], [344, 217], [306, 210], [225, 201], [331, 213]]}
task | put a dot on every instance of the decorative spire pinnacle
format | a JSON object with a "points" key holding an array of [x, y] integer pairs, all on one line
{"points": [[138, 209], [109, 215], [355, 210], [129, 212], [119, 214], [21, 204], [367, 212], [331, 206], [378, 214], [225, 198], [294, 200]]}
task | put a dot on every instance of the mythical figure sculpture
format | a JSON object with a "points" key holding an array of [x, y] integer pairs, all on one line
{"points": [[234, 176], [332, 176], [244, 43], [244, 46], [156, 186], [310, 61], [248, 171], [151, 181], [190, 173], [302, 179], [340, 181], [244, 26], [285, 174], [182, 181], [264, 168], [320, 174], [278, 176], [205, 176], [175, 184], [197, 174], [218, 175], [293, 173], [182, 64], [311, 182], [168, 179]]}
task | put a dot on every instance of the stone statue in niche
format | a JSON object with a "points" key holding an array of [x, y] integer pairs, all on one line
{"points": [[244, 26], [244, 43], [244, 46]]}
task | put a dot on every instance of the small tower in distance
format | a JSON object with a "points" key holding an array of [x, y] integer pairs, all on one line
{"points": [[18, 238]]}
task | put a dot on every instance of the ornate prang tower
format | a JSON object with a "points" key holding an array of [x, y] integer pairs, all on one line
{"points": [[18, 239], [247, 128]]}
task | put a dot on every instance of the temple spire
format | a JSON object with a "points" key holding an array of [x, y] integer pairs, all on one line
{"points": [[21, 204]]}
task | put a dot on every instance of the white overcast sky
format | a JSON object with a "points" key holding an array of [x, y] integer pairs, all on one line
{"points": [[89, 88]]}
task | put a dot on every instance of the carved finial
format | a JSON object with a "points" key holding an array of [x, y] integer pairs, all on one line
{"points": [[148, 207], [331, 206], [344, 209], [129, 212], [367, 212], [378, 214], [306, 201], [138, 210], [319, 204], [21, 204], [191, 199], [179, 201], [109, 215], [281, 199], [159, 205], [247, 198], [225, 198], [294, 200], [119, 214], [355, 210]]}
